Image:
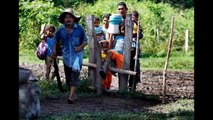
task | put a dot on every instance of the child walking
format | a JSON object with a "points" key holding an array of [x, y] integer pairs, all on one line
{"points": [[49, 60]]}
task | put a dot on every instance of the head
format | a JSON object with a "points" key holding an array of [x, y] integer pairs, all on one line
{"points": [[135, 15], [106, 20], [50, 30], [96, 21], [105, 46], [68, 17], [122, 9]]}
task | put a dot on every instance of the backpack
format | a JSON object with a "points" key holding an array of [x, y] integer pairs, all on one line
{"points": [[41, 51]]}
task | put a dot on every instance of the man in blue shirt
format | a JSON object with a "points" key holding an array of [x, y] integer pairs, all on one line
{"points": [[74, 40]]}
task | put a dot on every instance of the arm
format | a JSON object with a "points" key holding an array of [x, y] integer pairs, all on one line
{"points": [[140, 32], [56, 39], [111, 40], [80, 47]]}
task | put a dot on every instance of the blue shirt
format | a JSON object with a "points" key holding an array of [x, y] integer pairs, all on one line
{"points": [[49, 46], [119, 44], [70, 41], [98, 30]]}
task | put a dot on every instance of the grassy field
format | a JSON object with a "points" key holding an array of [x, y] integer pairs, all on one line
{"points": [[177, 60]]}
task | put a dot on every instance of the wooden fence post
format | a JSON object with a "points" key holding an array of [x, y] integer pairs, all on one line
{"points": [[167, 59], [136, 57], [99, 64], [123, 81], [91, 36], [94, 56], [158, 34], [186, 40]]}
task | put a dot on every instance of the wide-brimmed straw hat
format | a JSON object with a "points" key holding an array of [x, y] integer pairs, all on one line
{"points": [[71, 12]]}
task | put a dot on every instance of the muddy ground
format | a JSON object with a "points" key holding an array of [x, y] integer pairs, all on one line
{"points": [[179, 85]]}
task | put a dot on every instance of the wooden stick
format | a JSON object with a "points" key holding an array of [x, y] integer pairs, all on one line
{"points": [[167, 59], [128, 72], [136, 57]]}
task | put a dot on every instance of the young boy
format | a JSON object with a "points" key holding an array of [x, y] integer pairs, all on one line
{"points": [[135, 17], [98, 29], [49, 61], [116, 53]]}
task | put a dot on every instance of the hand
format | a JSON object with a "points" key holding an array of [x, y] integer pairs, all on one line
{"points": [[44, 37], [54, 55], [78, 49]]}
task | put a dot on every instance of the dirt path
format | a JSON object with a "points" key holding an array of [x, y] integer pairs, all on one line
{"points": [[179, 85]]}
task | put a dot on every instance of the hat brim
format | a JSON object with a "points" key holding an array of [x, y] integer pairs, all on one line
{"points": [[62, 15]]}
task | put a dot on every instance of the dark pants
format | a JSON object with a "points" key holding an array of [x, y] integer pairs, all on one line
{"points": [[72, 77], [132, 64]]}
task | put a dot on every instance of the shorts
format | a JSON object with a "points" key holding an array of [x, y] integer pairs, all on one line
{"points": [[72, 77], [48, 61]]}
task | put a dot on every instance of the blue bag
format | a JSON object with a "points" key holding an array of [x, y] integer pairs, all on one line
{"points": [[76, 66]]}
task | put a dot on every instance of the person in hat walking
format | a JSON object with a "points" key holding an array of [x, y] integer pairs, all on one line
{"points": [[73, 38]]}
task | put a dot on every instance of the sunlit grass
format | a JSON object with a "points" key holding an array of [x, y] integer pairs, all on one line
{"points": [[177, 61]]}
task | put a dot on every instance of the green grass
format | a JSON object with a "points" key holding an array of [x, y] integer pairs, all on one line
{"points": [[177, 60], [29, 57], [179, 115]]}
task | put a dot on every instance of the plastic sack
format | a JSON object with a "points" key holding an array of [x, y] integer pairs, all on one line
{"points": [[76, 66], [41, 51]]}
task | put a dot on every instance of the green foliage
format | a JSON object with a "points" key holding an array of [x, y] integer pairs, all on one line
{"points": [[50, 89], [179, 115], [70, 3], [84, 87], [29, 56], [66, 3], [154, 15], [31, 16], [181, 4]]}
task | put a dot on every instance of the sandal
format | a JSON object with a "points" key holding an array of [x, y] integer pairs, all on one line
{"points": [[70, 101], [102, 74]]}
